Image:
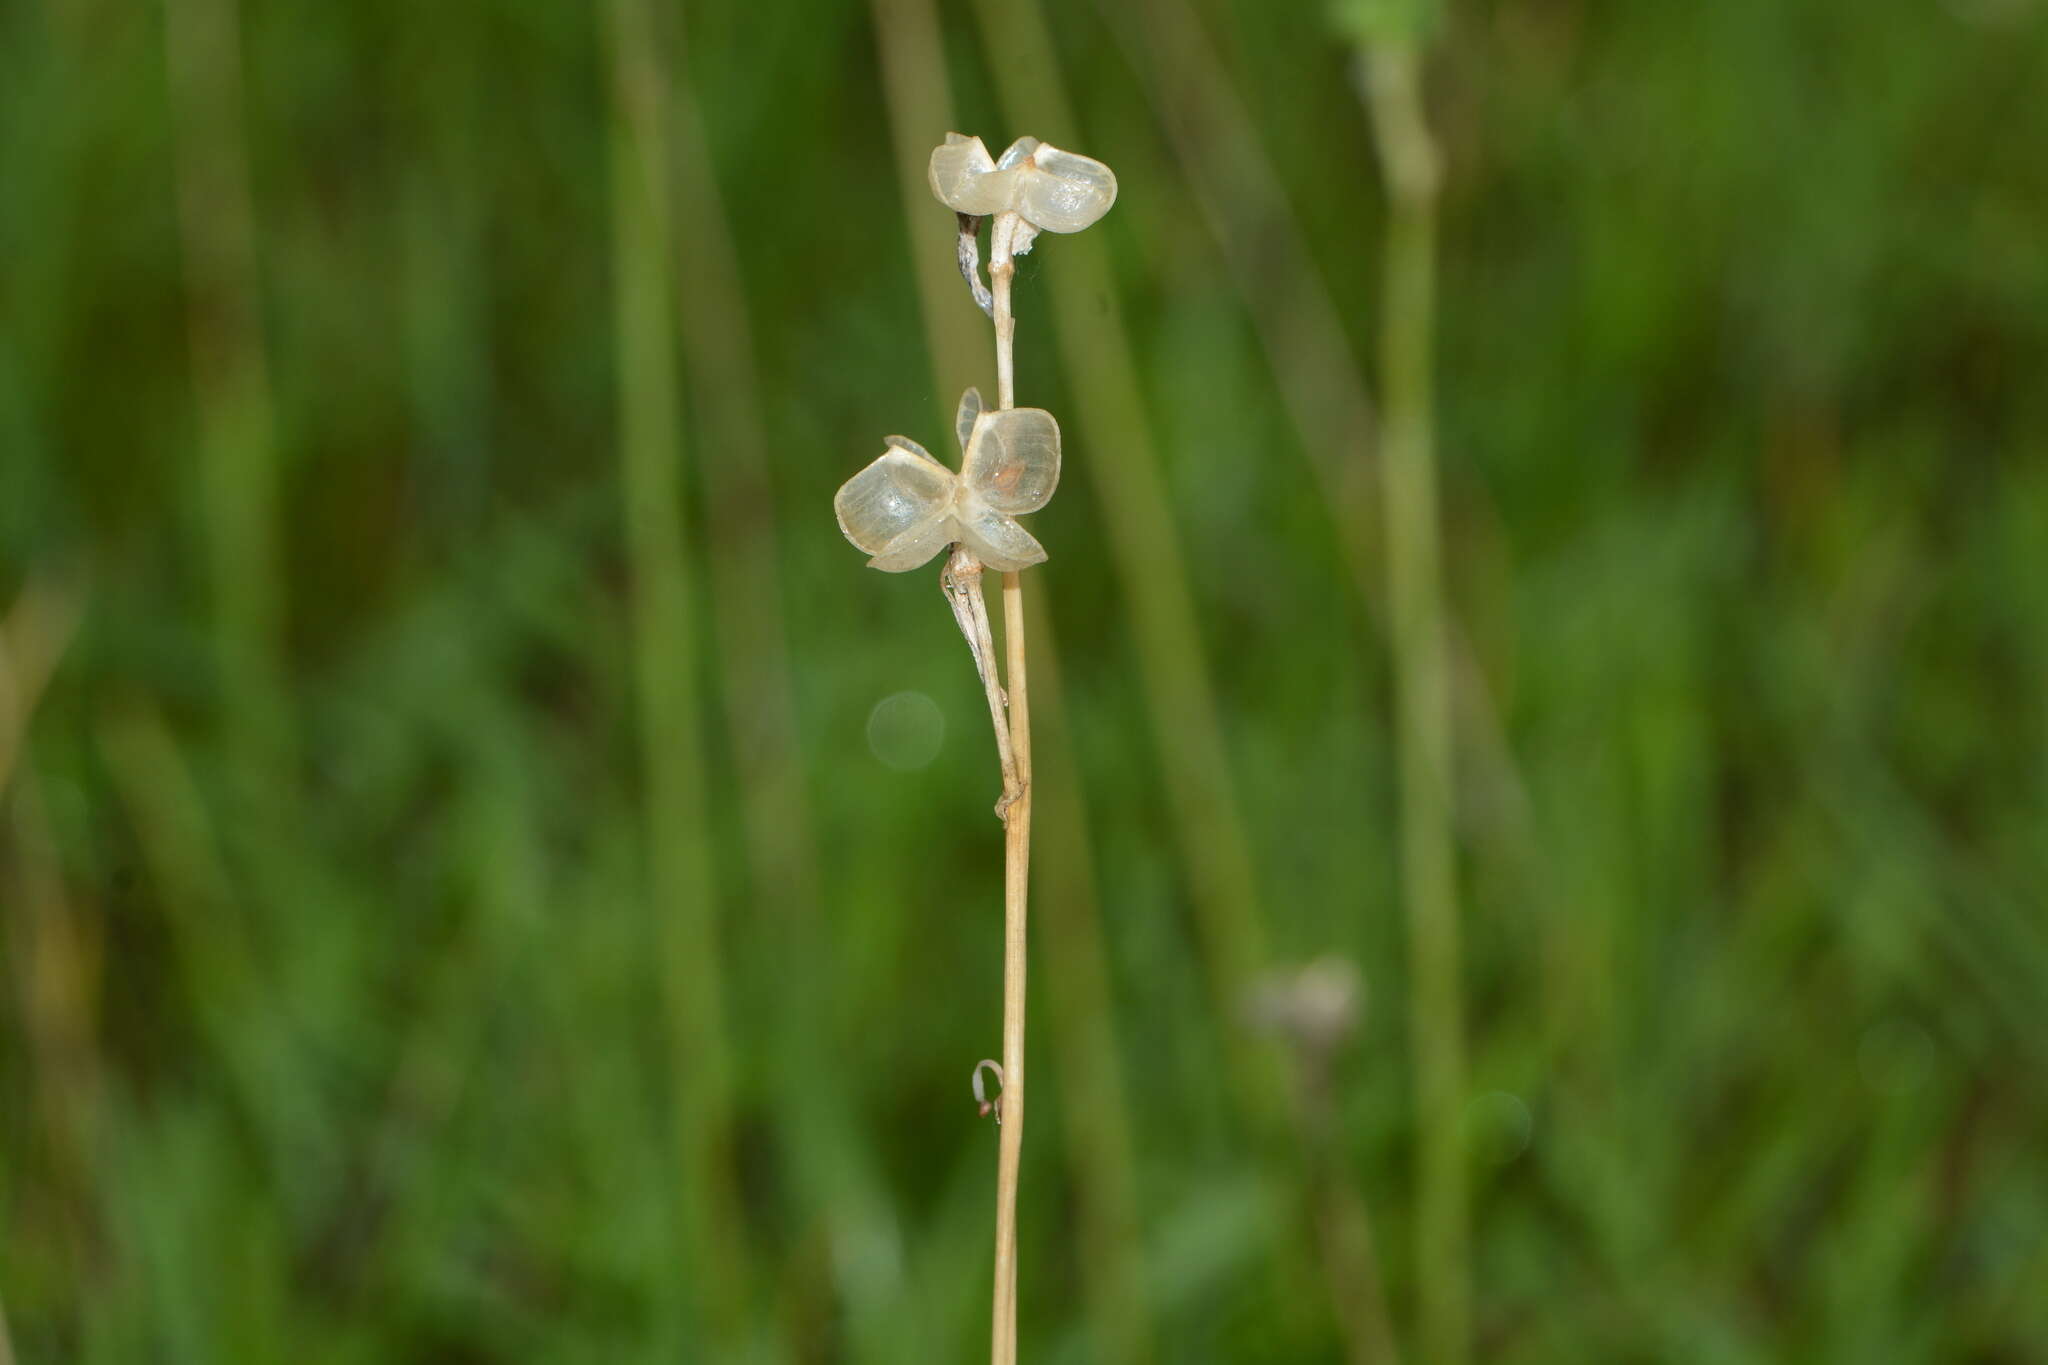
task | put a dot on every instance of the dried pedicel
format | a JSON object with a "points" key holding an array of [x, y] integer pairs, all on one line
{"points": [[905, 507]]}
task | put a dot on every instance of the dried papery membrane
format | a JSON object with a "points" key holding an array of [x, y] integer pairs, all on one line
{"points": [[1017, 153], [1013, 459], [1068, 193], [916, 546], [999, 542], [963, 175], [963, 420], [968, 256], [904, 443], [903, 490]]}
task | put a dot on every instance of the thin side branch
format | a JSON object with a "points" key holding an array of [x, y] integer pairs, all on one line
{"points": [[1010, 714], [961, 582], [1002, 269]]}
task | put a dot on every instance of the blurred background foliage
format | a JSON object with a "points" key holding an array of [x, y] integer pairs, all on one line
{"points": [[486, 875]]}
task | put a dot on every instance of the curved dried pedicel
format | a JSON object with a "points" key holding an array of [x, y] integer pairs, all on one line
{"points": [[1000, 543], [903, 491], [1013, 459], [1052, 189]]}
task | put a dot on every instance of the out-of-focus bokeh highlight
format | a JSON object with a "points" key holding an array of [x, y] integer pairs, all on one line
{"points": [[486, 875]]}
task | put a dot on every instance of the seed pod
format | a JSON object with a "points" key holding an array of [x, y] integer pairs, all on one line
{"points": [[905, 507], [1013, 459], [1049, 188]]}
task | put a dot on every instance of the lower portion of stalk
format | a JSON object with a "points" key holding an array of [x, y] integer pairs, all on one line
{"points": [[1016, 882]]}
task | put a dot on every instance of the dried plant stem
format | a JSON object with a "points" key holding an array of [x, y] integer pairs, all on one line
{"points": [[1198, 786], [1010, 714], [1002, 269], [1391, 77], [1070, 931], [1016, 879]]}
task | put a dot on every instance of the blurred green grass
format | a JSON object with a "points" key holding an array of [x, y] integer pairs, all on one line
{"points": [[340, 973]]}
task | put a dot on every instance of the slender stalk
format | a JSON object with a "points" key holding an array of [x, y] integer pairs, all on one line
{"points": [[1097, 1112], [1016, 879], [1198, 789], [1002, 270], [1010, 714], [1391, 77], [1099, 359]]}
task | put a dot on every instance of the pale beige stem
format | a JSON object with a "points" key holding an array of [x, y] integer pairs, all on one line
{"points": [[1016, 879], [1002, 270], [1010, 714], [1100, 360], [908, 40]]}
